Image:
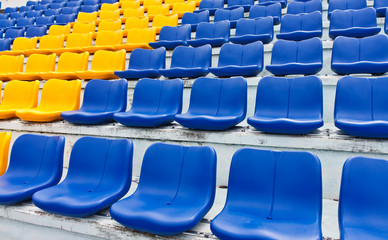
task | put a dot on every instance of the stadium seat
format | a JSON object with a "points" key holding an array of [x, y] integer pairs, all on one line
{"points": [[108, 15], [138, 38], [26, 8], [160, 21], [45, 21], [65, 19], [210, 5], [89, 8], [133, 12], [304, 57], [57, 96], [42, 7], [252, 30], [106, 40], [353, 23], [360, 107], [272, 195], [109, 25], [215, 34], [288, 106], [362, 206], [4, 16], [176, 190], [144, 63], [20, 45], [171, 37], [74, 4], [68, 64], [13, 33], [70, 10], [36, 163], [5, 139], [76, 42], [231, 15], [58, 30], [345, 5], [18, 95], [32, 3], [25, 22], [84, 27], [101, 100], [215, 104], [10, 10], [182, 8], [57, 5], [381, 6], [172, 2], [272, 10], [240, 60], [153, 11], [269, 2], [189, 62], [134, 22], [132, 4], [36, 63], [104, 64], [47, 44], [87, 17], [92, 2], [155, 103], [7, 23], [5, 45], [109, 6], [34, 14], [297, 7], [108, 1], [10, 64], [302, 26], [52, 12], [246, 4], [90, 186], [195, 18], [147, 3], [36, 31], [360, 55]]}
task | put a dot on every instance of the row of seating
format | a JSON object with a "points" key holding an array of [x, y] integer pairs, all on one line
{"points": [[178, 183]]}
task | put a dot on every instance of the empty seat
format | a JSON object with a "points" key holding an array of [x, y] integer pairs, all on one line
{"points": [[7, 23], [74, 4], [171, 37], [210, 5], [215, 34], [18, 95], [90, 186], [362, 204], [36, 63], [32, 3], [36, 163], [52, 12], [272, 10], [92, 2], [17, 15], [83, 27], [57, 5], [13, 33], [215, 104], [47, 44], [36, 31], [87, 17], [182, 8], [345, 5], [10, 64], [147, 3], [246, 4], [252, 30], [4, 16], [5, 139], [138, 38], [133, 12], [269, 2], [109, 25], [89, 8], [64, 19], [360, 55], [288, 105], [20, 45], [76, 42], [195, 18], [175, 191], [353, 23], [109, 6], [153, 11], [10, 10], [231, 15], [68, 64], [101, 100], [160, 21], [134, 22], [25, 22], [108, 15], [5, 44], [272, 195], [42, 7], [301, 26], [304, 57], [240, 60], [34, 14], [104, 64], [59, 30], [381, 7], [106, 40], [297, 7], [26, 8], [133, 4], [57, 96], [46, 20], [144, 63], [189, 62]]}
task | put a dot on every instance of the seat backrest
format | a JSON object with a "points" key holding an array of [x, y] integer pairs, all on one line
{"points": [[148, 59], [17, 15], [173, 1], [255, 26], [65, 18], [20, 94], [195, 18], [89, 8], [5, 23], [219, 29], [46, 20], [109, 38], [14, 33], [296, 7], [161, 21], [10, 10], [107, 60], [36, 31], [133, 4], [306, 51], [141, 35], [110, 6], [192, 57], [87, 17], [22, 44], [134, 12], [109, 25], [229, 14], [148, 3], [182, 32], [134, 22], [109, 15], [57, 5], [183, 7], [92, 2], [204, 4], [241, 55], [233, 3], [301, 22], [75, 40], [51, 42], [346, 4], [84, 27], [74, 4], [34, 14], [5, 44], [158, 10], [32, 3], [71, 62], [37, 63], [42, 7], [23, 22], [289, 97], [60, 95], [11, 64], [4, 16], [188, 174], [219, 97], [158, 96], [343, 19], [52, 12], [26, 8], [380, 3], [56, 30]]}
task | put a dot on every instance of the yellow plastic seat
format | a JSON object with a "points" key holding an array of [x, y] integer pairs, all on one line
{"points": [[36, 63], [135, 23], [104, 63], [68, 64], [130, 4], [47, 44], [161, 21], [182, 8], [110, 6], [172, 2], [108, 15], [87, 17], [20, 45], [148, 3], [59, 30], [5, 139], [133, 12], [57, 96], [10, 64], [108, 25], [106, 40], [75, 42], [84, 27], [121, 2], [138, 38], [18, 95], [197, 2], [157, 10]]}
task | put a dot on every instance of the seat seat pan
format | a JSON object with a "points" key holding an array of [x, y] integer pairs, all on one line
{"points": [[184, 72], [138, 73], [226, 71], [360, 67], [294, 68], [58, 75], [214, 42], [250, 38], [299, 35], [167, 44], [372, 129], [285, 125], [24, 76], [207, 122], [6, 113], [36, 115], [143, 119], [354, 32], [82, 117], [91, 74], [132, 46]]}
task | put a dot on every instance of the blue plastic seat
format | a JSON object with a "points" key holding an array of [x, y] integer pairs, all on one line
{"points": [[362, 204], [90, 8], [345, 5], [240, 60], [36, 31], [10, 10], [4, 16], [232, 15], [252, 30], [91, 2], [64, 19], [288, 105], [272, 195], [272, 10], [100, 172], [36, 163], [25, 22], [210, 5], [52, 12], [268, 2], [155, 103], [246, 4], [57, 5], [360, 107], [360, 55], [26, 8], [74, 4], [296, 7], [5, 44], [381, 6], [70, 10], [144, 63], [44, 2], [302, 26], [215, 34], [176, 190], [42, 7], [48, 21], [109, 1], [195, 18], [353, 23], [13, 33], [189, 62], [171, 37], [17, 15], [32, 3], [5, 23], [34, 14], [215, 104], [101, 100], [304, 57]]}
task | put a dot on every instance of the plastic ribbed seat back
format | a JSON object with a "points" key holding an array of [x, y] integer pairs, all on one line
{"points": [[11, 64], [273, 10], [134, 22], [110, 6], [59, 30], [70, 10], [35, 31], [71, 62], [5, 44], [109, 38], [226, 14], [374, 48], [6, 23], [57, 5], [195, 18], [205, 4], [65, 18], [107, 60], [213, 30], [20, 94], [24, 22], [175, 33], [73, 4], [10, 10], [75, 40], [147, 59], [109, 15], [254, 26], [189, 57], [353, 18], [17, 15], [235, 3], [14, 33], [92, 2], [46, 20], [52, 12], [84, 27], [161, 21], [89, 8], [26, 8], [158, 10], [148, 3], [87, 17], [109, 25], [301, 22], [51, 42], [346, 4], [241, 55], [34, 14], [141, 35], [133, 12], [345, 50], [306, 51], [42, 7], [297, 7], [37, 63], [60, 94]]}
